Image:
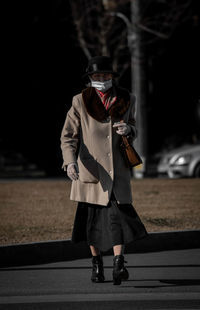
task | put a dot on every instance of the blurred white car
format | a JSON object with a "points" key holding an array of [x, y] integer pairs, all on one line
{"points": [[181, 162]]}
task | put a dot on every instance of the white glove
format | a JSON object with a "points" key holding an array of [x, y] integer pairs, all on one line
{"points": [[122, 128], [73, 171]]}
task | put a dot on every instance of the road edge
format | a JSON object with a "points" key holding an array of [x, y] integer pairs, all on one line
{"points": [[64, 250]]}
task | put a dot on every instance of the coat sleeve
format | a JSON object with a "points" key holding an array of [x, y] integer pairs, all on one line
{"points": [[132, 118], [70, 134]]}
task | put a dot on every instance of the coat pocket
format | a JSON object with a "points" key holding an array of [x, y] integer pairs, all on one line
{"points": [[88, 170]]}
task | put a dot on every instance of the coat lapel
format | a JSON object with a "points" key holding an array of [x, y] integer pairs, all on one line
{"points": [[96, 109]]}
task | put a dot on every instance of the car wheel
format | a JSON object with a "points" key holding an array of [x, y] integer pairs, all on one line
{"points": [[197, 171]]}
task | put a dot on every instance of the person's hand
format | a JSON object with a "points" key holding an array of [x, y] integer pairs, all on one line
{"points": [[122, 128], [73, 171]]}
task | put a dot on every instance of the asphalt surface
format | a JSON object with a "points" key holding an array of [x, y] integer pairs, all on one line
{"points": [[158, 280]]}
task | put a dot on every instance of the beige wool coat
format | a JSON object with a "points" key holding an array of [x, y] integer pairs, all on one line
{"points": [[88, 138]]}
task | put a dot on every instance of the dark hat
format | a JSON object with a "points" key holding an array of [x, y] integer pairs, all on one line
{"points": [[100, 64]]}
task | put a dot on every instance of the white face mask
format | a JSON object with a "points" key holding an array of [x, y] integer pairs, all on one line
{"points": [[102, 86]]}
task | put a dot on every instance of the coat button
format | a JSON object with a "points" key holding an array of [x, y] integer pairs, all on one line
{"points": [[110, 171], [108, 154], [108, 137]]}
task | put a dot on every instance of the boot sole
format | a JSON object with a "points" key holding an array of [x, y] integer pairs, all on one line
{"points": [[97, 280], [117, 279]]}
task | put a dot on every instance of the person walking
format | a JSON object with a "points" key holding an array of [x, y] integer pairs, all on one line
{"points": [[90, 142]]}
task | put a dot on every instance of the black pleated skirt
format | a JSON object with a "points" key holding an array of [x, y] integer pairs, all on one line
{"points": [[106, 226]]}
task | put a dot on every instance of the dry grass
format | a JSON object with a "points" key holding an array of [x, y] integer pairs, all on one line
{"points": [[41, 210]]}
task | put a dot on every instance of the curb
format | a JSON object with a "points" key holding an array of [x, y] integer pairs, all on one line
{"points": [[64, 250]]}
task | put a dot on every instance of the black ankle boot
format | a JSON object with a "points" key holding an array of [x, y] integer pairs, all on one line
{"points": [[120, 273], [97, 269]]}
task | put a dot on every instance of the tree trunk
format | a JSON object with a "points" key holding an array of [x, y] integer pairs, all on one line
{"points": [[139, 85]]}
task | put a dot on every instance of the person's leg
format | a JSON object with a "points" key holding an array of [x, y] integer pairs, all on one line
{"points": [[94, 251], [118, 249], [97, 265], [119, 271]]}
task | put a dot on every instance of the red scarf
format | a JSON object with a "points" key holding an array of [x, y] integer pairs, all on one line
{"points": [[107, 98]]}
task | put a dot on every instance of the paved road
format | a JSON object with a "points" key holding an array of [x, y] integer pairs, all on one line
{"points": [[159, 280]]}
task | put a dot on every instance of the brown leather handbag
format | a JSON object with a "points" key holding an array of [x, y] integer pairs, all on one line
{"points": [[132, 158]]}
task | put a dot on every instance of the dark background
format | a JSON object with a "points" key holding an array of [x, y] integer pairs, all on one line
{"points": [[43, 65]]}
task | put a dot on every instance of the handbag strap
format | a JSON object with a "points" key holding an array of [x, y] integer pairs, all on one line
{"points": [[125, 140]]}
